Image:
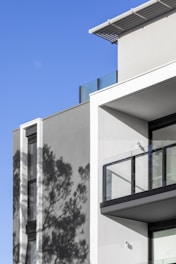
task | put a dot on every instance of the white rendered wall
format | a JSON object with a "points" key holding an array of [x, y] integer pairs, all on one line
{"points": [[24, 193], [114, 133], [118, 134], [147, 48]]}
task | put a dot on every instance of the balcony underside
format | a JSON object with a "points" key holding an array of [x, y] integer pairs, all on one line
{"points": [[150, 206], [148, 104]]}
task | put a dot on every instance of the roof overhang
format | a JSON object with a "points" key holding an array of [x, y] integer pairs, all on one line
{"points": [[152, 206], [136, 17], [148, 96], [156, 101]]}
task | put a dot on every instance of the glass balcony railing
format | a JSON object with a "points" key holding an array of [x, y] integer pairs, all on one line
{"points": [[141, 170], [95, 85]]}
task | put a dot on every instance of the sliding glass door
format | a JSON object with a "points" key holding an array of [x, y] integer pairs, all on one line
{"points": [[163, 157], [164, 246]]}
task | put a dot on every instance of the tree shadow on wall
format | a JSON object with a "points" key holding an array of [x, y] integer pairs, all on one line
{"points": [[16, 195], [64, 241]]}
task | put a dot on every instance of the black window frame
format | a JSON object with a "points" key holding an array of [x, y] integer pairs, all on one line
{"points": [[31, 134], [158, 226], [31, 181], [31, 237], [153, 126], [154, 227]]}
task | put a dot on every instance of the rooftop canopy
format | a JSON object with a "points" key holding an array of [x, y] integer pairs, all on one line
{"points": [[115, 27]]}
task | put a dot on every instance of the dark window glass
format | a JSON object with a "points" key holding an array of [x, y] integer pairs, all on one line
{"points": [[32, 201], [31, 252], [32, 157], [32, 174]]}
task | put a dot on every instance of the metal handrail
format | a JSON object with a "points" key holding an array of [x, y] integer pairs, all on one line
{"points": [[132, 159], [150, 151]]}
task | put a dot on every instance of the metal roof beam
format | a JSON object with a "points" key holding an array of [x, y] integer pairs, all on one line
{"points": [[113, 28], [135, 13], [164, 4], [112, 24]]}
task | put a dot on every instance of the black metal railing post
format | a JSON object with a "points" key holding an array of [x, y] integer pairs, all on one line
{"points": [[104, 183], [164, 167], [107, 190], [133, 172]]}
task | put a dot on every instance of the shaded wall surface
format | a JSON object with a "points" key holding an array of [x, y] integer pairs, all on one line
{"points": [[65, 229], [16, 194], [66, 187]]}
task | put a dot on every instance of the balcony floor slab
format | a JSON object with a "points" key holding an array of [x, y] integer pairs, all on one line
{"points": [[151, 206]]}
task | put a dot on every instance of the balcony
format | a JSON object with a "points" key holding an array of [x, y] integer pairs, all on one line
{"points": [[141, 185], [97, 84]]}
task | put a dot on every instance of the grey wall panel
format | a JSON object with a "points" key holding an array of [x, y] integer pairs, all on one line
{"points": [[16, 193], [66, 186]]}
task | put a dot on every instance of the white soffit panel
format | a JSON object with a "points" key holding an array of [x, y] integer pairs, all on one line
{"points": [[115, 27]]}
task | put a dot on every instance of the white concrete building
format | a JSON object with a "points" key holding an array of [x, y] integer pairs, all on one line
{"points": [[133, 142], [132, 149]]}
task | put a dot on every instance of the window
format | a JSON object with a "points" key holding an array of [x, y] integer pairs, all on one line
{"points": [[163, 157], [31, 252], [32, 157], [32, 201], [162, 242], [32, 174], [31, 134]]}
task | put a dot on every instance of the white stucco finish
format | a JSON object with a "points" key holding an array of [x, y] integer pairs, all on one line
{"points": [[24, 193], [147, 47], [113, 133], [118, 133]]}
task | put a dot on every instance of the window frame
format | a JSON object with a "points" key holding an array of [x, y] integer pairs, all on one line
{"points": [[153, 126], [158, 226], [31, 134], [31, 237], [31, 181], [154, 227]]}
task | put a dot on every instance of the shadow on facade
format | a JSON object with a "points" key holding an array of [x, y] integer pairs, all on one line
{"points": [[16, 195], [64, 241], [64, 211]]}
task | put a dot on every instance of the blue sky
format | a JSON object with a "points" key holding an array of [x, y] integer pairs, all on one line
{"points": [[45, 54]]}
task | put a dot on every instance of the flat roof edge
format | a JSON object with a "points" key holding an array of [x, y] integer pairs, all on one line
{"points": [[132, 19], [121, 16]]}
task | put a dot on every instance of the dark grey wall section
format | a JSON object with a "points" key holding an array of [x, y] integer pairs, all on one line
{"points": [[16, 188], [66, 186]]}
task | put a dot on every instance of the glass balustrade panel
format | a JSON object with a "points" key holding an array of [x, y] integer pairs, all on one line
{"points": [[141, 173], [171, 165], [118, 180], [157, 166], [107, 80], [86, 89]]}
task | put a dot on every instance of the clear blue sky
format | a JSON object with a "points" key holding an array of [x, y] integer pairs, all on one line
{"points": [[45, 54]]}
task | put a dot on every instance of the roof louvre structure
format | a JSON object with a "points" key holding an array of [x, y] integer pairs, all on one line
{"points": [[115, 27]]}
